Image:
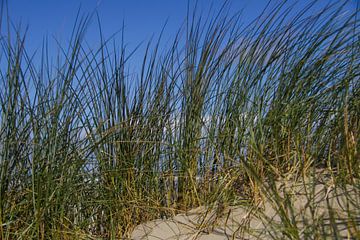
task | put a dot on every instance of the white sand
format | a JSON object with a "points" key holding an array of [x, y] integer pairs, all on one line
{"points": [[264, 222]]}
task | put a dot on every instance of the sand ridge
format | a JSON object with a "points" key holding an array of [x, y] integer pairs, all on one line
{"points": [[310, 208]]}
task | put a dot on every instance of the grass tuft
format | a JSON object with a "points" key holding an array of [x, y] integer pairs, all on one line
{"points": [[218, 118]]}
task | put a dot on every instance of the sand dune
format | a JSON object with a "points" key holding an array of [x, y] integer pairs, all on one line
{"points": [[315, 209]]}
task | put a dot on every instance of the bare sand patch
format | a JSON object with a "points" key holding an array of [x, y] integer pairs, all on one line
{"points": [[300, 210]]}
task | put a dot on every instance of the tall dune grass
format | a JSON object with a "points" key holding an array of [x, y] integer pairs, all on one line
{"points": [[89, 150]]}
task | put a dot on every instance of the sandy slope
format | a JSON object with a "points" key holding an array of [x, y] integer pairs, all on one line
{"points": [[312, 207]]}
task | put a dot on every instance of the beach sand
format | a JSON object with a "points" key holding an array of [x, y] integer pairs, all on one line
{"points": [[313, 208]]}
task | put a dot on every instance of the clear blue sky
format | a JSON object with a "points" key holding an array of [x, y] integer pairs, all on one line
{"points": [[143, 18]]}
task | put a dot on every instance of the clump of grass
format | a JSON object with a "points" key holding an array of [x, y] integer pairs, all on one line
{"points": [[85, 152]]}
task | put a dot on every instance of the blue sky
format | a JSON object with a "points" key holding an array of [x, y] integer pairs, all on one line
{"points": [[143, 18]]}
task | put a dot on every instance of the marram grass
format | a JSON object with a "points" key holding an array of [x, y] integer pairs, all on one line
{"points": [[87, 151]]}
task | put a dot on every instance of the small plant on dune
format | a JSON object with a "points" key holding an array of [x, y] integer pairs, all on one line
{"points": [[87, 150]]}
